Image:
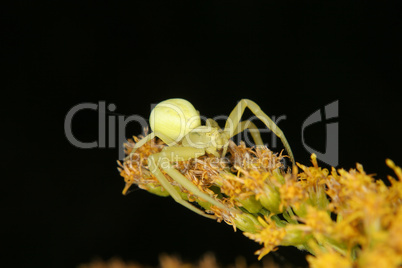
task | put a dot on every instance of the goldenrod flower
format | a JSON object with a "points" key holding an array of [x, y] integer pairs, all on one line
{"points": [[379, 257], [330, 259], [270, 235], [345, 218]]}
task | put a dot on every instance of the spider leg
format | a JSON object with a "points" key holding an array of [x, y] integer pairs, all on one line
{"points": [[242, 126], [140, 143], [163, 159], [255, 133], [232, 124], [149, 137], [171, 190]]}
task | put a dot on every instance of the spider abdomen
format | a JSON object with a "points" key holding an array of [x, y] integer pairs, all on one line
{"points": [[173, 119]]}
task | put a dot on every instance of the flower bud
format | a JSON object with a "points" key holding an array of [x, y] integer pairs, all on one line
{"points": [[247, 222], [157, 190], [295, 236], [251, 204], [271, 200]]}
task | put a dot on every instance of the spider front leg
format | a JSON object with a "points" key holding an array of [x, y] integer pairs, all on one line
{"points": [[255, 134], [232, 125], [163, 159], [140, 143], [147, 138]]}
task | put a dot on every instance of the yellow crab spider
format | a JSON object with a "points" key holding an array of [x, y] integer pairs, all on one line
{"points": [[178, 124]]}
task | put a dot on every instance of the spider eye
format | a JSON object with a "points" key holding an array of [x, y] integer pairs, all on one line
{"points": [[174, 118]]}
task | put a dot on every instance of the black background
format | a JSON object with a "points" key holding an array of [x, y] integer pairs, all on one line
{"points": [[62, 205]]}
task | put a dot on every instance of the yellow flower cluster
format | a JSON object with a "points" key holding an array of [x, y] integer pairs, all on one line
{"points": [[343, 218]]}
